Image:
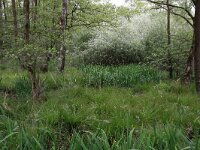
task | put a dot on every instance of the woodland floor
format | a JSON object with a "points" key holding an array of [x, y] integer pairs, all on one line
{"points": [[76, 115]]}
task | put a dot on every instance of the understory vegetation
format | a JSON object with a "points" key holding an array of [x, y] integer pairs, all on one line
{"points": [[87, 109], [99, 74]]}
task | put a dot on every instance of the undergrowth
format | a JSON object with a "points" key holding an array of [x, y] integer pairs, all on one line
{"points": [[122, 76], [156, 114]]}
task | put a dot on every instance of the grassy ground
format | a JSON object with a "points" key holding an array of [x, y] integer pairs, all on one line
{"points": [[146, 113]]}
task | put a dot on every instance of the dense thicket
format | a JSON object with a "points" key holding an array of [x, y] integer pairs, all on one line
{"points": [[141, 39]]}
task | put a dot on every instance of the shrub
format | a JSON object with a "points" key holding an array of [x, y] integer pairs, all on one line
{"points": [[117, 46], [118, 53], [143, 39]]}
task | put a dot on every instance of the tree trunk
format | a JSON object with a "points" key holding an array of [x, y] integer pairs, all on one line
{"points": [[188, 69], [35, 3], [63, 21], [35, 82], [27, 20], [15, 19], [170, 65], [4, 7], [197, 46], [1, 26], [32, 66]]}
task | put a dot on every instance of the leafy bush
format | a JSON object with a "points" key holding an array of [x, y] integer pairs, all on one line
{"points": [[123, 76], [143, 39], [117, 46], [117, 53]]}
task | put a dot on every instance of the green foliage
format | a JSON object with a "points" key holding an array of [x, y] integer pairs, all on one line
{"points": [[159, 53], [157, 115], [107, 118], [139, 39], [118, 46], [118, 53], [124, 76], [134, 107], [22, 86], [162, 139]]}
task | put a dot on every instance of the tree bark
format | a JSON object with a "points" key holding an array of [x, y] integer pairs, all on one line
{"points": [[1, 26], [31, 67], [63, 21], [170, 65], [27, 21], [197, 46], [15, 19], [35, 3], [35, 82]]}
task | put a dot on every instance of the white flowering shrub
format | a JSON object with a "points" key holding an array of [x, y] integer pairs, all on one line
{"points": [[120, 45], [142, 39]]}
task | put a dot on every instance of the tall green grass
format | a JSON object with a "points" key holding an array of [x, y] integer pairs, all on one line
{"points": [[161, 116], [168, 138], [17, 136], [122, 76]]}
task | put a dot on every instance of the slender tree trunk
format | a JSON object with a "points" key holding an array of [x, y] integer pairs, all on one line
{"points": [[27, 21], [32, 67], [15, 19], [5, 14], [35, 82], [63, 21], [35, 3], [170, 65], [1, 26], [197, 46]]}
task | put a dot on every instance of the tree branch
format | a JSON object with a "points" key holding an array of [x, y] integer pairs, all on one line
{"points": [[160, 3]]}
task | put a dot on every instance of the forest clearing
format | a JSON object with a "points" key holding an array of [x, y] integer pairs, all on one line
{"points": [[100, 75]]}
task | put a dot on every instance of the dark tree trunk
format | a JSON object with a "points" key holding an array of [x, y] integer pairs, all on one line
{"points": [[197, 46], [27, 21], [63, 21], [5, 14], [34, 3], [170, 65], [1, 26], [35, 82], [32, 66], [15, 19]]}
